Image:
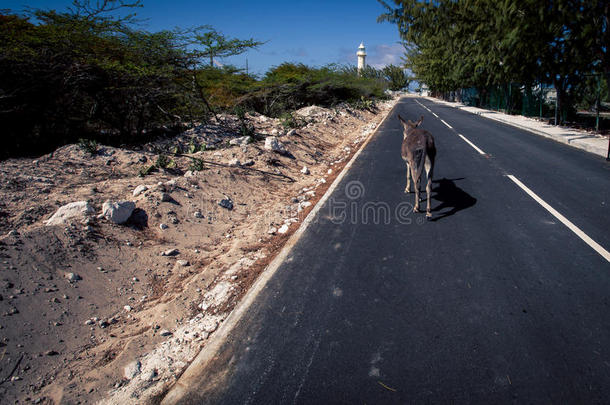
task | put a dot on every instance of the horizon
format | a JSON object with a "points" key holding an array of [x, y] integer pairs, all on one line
{"points": [[292, 33]]}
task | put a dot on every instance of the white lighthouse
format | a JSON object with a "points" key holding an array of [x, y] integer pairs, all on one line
{"points": [[361, 57]]}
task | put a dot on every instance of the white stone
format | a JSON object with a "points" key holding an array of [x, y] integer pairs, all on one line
{"points": [[234, 163], [163, 226], [198, 214], [272, 144], [75, 210], [283, 228], [305, 170], [127, 308], [183, 263], [244, 140], [139, 190], [170, 252], [132, 369], [118, 211]]}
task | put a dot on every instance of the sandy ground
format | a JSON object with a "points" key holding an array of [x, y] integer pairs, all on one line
{"points": [[92, 311]]}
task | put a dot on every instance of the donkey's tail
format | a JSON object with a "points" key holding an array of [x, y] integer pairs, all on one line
{"points": [[419, 155]]}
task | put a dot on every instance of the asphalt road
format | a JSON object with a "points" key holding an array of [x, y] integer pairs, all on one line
{"points": [[493, 301]]}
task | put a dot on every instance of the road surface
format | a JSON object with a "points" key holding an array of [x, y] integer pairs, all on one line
{"points": [[496, 300]]}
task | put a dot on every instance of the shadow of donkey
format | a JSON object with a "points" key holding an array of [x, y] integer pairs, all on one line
{"points": [[452, 198]]}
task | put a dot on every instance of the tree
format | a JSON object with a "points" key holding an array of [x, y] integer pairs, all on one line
{"points": [[216, 45], [396, 77]]}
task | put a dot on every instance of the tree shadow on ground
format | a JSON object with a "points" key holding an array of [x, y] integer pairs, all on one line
{"points": [[452, 198]]}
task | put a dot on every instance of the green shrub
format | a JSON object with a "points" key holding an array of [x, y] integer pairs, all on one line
{"points": [[88, 145]]}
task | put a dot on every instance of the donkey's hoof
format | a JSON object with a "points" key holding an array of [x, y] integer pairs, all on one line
{"points": [[428, 216], [407, 191], [415, 209]]}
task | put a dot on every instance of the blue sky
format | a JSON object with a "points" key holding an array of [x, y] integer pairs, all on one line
{"points": [[312, 32]]}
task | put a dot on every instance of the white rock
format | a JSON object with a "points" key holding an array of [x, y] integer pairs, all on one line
{"points": [[72, 277], [75, 210], [127, 308], [118, 211], [198, 214], [132, 369], [272, 230], [234, 163], [170, 252], [283, 228], [189, 173], [329, 171], [163, 226], [272, 144], [305, 170], [306, 204], [139, 190], [244, 140], [291, 132], [183, 263]]}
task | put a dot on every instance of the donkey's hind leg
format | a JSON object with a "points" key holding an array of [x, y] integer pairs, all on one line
{"points": [[408, 188], [416, 174], [429, 166]]}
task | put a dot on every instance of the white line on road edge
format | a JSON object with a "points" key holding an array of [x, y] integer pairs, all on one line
{"points": [[471, 144], [596, 246], [207, 353], [443, 121]]}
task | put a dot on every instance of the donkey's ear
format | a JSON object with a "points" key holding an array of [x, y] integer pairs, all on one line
{"points": [[418, 123], [402, 119]]}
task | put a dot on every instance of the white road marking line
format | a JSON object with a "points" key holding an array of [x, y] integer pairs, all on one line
{"points": [[596, 246], [433, 113], [471, 144], [429, 110], [443, 121]]}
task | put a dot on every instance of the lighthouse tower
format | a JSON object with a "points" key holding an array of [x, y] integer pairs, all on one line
{"points": [[361, 57]]}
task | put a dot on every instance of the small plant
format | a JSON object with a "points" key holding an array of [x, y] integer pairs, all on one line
{"points": [[245, 127], [289, 121], [88, 146], [193, 147], [146, 170], [196, 165], [162, 161]]}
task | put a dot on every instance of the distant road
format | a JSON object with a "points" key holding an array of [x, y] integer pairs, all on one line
{"points": [[503, 298]]}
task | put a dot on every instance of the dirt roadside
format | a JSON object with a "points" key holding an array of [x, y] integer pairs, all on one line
{"points": [[93, 311]]}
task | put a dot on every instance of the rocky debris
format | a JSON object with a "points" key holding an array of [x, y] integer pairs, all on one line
{"points": [[183, 263], [165, 197], [76, 210], [132, 369], [272, 230], [139, 190], [248, 162], [165, 332], [127, 308], [163, 226], [244, 140], [234, 163], [291, 132], [198, 214], [118, 211], [72, 277], [305, 170], [226, 203], [283, 229], [274, 145], [170, 252]]}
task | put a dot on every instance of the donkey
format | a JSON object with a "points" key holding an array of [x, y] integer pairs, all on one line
{"points": [[418, 151]]}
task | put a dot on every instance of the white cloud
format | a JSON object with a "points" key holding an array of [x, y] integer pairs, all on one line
{"points": [[383, 55]]}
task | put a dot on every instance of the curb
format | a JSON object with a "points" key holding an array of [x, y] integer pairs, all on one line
{"points": [[600, 150], [181, 387]]}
